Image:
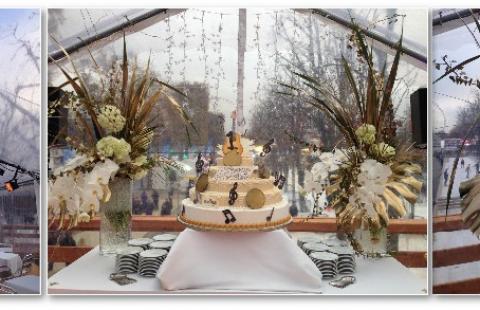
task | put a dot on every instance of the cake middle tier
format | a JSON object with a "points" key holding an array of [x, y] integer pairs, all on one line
{"points": [[243, 186], [221, 199]]}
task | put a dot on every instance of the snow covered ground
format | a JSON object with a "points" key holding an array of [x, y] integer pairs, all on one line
{"points": [[446, 240], [460, 175]]}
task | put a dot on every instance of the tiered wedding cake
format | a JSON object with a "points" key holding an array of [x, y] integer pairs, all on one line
{"points": [[235, 195]]}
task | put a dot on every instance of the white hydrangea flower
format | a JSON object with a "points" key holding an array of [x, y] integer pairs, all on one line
{"points": [[366, 134], [110, 147], [111, 119]]}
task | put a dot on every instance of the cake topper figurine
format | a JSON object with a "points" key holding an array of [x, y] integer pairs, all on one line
{"points": [[267, 148], [279, 180], [233, 195]]}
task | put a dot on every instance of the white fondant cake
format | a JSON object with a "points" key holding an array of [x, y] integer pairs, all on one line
{"points": [[214, 208]]}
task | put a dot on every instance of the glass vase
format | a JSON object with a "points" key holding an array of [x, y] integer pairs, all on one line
{"points": [[116, 217], [370, 242]]}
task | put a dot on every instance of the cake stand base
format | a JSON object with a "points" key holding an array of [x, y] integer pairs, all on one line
{"points": [[238, 261]]}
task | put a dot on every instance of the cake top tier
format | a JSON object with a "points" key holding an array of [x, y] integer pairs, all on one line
{"points": [[235, 151]]}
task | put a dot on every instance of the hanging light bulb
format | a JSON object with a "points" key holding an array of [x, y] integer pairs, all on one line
{"points": [[11, 185]]}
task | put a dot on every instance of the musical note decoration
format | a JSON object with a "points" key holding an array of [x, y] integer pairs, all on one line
{"points": [[233, 195], [229, 217], [199, 163], [279, 180], [267, 148], [269, 218]]}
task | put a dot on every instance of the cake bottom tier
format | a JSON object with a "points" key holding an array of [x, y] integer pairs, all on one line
{"points": [[234, 219]]}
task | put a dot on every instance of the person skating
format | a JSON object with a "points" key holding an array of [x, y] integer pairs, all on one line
{"points": [[468, 171], [477, 168], [462, 163], [445, 177]]}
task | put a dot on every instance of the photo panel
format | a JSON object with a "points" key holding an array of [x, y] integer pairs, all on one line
{"points": [[20, 101], [237, 151], [455, 102]]}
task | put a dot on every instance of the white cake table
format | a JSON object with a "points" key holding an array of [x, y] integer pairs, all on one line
{"points": [[6, 249], [90, 275], [11, 260], [28, 284]]}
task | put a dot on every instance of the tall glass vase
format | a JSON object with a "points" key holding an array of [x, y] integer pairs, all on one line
{"points": [[371, 243], [116, 217]]}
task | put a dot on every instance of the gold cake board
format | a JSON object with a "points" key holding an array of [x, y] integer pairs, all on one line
{"points": [[203, 226]]}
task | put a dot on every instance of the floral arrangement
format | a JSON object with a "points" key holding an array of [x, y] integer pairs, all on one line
{"points": [[112, 133], [374, 175]]}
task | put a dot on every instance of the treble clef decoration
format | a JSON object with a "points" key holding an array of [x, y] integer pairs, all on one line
{"points": [[199, 163], [233, 195], [267, 148]]}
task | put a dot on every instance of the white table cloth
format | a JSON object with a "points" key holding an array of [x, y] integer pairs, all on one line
{"points": [[90, 275], [11, 260], [28, 284], [248, 261]]}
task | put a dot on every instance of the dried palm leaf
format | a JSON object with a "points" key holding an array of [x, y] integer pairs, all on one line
{"points": [[470, 194]]}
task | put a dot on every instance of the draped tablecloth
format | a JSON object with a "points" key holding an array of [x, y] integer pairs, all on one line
{"points": [[239, 261], [11, 260], [90, 274]]}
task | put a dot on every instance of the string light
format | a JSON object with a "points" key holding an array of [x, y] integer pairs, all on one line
{"points": [[184, 58], [169, 39], [220, 73], [260, 63], [204, 49]]}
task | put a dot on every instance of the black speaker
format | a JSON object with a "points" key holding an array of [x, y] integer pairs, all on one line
{"points": [[54, 94], [418, 111]]}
